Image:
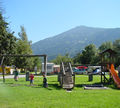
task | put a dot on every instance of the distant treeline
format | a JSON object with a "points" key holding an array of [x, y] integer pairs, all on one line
{"points": [[91, 55]]}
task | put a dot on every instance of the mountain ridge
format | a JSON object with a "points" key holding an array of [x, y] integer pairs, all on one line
{"points": [[74, 40]]}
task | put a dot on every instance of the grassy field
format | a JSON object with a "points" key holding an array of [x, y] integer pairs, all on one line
{"points": [[21, 95]]}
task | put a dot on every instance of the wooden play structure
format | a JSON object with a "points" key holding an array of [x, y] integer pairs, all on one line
{"points": [[107, 58], [20, 55], [66, 77]]}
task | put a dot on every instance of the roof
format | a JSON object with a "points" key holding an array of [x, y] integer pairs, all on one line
{"points": [[109, 51]]}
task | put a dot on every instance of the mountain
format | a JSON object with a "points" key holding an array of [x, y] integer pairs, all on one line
{"points": [[74, 40]]}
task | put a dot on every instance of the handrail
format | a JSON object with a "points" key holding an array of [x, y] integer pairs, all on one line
{"points": [[63, 69], [2, 60], [70, 68]]}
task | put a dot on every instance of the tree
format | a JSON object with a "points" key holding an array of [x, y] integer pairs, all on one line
{"points": [[61, 58], [89, 54], [23, 35], [37, 62], [116, 45], [77, 58], [24, 47], [7, 40], [106, 45]]}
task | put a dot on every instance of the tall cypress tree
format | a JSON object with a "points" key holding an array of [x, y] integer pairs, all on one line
{"points": [[23, 47]]}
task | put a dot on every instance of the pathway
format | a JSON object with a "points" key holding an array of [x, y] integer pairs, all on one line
{"points": [[11, 76]]}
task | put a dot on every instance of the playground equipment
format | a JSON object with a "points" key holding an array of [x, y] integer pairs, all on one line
{"points": [[66, 77], [108, 58], [114, 75], [21, 55]]}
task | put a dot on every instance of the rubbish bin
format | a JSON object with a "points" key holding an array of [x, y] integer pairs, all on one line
{"points": [[27, 76], [45, 84], [90, 77]]}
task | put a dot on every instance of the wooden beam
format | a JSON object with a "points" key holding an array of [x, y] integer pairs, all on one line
{"points": [[21, 55]]}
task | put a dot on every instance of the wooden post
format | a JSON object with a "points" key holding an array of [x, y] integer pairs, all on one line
{"points": [[101, 67], [45, 65], [101, 77], [45, 84], [3, 69], [74, 79], [104, 77], [3, 72]]}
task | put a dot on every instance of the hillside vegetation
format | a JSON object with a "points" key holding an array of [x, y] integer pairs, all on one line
{"points": [[74, 40]]}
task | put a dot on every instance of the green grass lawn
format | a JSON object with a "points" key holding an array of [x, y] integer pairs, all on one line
{"points": [[21, 95]]}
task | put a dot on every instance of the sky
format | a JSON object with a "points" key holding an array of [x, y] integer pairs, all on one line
{"points": [[47, 18]]}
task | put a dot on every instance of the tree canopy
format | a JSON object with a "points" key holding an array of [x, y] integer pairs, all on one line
{"points": [[23, 47], [61, 58], [105, 46], [87, 56], [7, 40], [116, 45]]}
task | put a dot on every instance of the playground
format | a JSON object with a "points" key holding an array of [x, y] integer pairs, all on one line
{"points": [[64, 90], [21, 95]]}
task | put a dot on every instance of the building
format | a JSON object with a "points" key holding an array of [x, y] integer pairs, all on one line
{"points": [[51, 68]]}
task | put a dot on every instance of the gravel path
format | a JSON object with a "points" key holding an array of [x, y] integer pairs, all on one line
{"points": [[20, 76], [12, 76]]}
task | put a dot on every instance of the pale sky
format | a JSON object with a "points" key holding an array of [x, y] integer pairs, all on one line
{"points": [[46, 18]]}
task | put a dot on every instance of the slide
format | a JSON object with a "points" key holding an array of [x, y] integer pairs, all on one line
{"points": [[114, 75]]}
